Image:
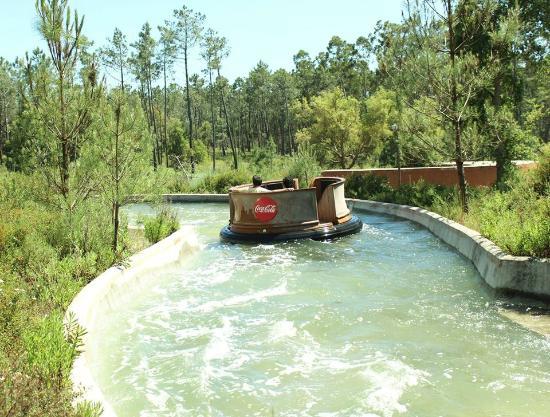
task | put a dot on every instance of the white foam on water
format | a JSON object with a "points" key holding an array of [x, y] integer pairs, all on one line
{"points": [[268, 255], [214, 274], [238, 300], [218, 348], [303, 363], [134, 325], [241, 360], [191, 333], [282, 329], [156, 396], [388, 380], [273, 382], [495, 386]]}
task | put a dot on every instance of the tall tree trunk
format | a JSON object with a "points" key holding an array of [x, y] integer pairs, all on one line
{"points": [[6, 132], [149, 111], [212, 120], [116, 202], [189, 117], [459, 160], [121, 69], [290, 144], [228, 127], [165, 113], [64, 169]]}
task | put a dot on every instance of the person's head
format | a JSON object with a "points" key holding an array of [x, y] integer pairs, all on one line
{"points": [[288, 182], [256, 180]]}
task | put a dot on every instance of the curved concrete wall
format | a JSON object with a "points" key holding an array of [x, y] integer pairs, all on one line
{"points": [[499, 269], [112, 289], [196, 198]]}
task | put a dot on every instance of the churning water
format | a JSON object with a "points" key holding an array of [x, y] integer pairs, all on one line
{"points": [[388, 322]]}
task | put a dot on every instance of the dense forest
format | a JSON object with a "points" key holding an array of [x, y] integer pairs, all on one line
{"points": [[457, 81], [84, 125]]}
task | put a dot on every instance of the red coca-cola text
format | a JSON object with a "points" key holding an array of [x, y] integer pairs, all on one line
{"points": [[265, 209]]}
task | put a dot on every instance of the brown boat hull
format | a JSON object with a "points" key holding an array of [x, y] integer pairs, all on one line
{"points": [[323, 232]]}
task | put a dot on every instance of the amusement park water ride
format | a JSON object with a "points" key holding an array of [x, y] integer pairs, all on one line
{"points": [[278, 214]]}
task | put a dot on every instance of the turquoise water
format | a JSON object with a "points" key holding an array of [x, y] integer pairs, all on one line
{"points": [[388, 322]]}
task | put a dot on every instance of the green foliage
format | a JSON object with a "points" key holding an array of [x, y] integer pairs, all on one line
{"points": [[162, 225], [336, 132], [376, 187], [378, 115], [366, 187], [263, 157], [541, 177], [49, 353], [518, 221], [46, 255], [221, 182], [178, 145], [507, 142], [304, 166]]}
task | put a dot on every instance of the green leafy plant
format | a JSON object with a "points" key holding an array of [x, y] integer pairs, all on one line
{"points": [[162, 225], [366, 186], [221, 182]]}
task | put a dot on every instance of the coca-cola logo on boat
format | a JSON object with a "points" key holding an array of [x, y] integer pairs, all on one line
{"points": [[265, 209]]}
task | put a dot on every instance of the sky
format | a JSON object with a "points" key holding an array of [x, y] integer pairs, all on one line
{"points": [[268, 30]]}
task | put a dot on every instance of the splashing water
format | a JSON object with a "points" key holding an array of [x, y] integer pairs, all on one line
{"points": [[389, 322]]}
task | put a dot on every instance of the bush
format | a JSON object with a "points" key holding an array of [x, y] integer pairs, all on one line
{"points": [[420, 194], [541, 175], [162, 225], [49, 353], [262, 157], [366, 186], [518, 221], [304, 166], [221, 182]]}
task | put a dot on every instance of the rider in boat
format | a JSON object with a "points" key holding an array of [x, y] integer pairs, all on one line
{"points": [[256, 186], [288, 183]]}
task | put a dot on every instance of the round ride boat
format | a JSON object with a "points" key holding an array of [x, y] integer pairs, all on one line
{"points": [[275, 213]]}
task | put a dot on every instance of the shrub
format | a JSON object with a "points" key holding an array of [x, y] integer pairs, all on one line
{"points": [[160, 226], [518, 221], [304, 166], [221, 182], [541, 175], [262, 157], [420, 194], [366, 186], [49, 353]]}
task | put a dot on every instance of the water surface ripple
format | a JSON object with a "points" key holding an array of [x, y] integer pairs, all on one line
{"points": [[388, 322]]}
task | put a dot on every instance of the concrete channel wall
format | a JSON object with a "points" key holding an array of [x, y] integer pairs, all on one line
{"points": [[112, 289], [500, 270]]}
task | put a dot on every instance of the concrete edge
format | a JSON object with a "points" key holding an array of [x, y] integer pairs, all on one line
{"points": [[107, 290], [530, 276], [180, 198], [196, 198]]}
